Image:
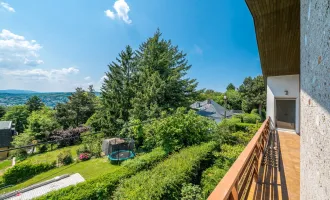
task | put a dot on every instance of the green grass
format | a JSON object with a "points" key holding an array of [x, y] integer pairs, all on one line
{"points": [[4, 164], [88, 169], [51, 155]]}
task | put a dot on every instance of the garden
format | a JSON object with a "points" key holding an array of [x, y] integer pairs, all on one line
{"points": [[145, 97], [179, 155]]}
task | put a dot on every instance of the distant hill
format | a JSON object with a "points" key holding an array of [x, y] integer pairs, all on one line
{"points": [[17, 91], [51, 99]]}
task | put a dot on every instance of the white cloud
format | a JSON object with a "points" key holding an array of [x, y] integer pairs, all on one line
{"points": [[121, 11], [99, 83], [15, 50], [7, 7], [110, 14], [102, 79], [87, 78], [40, 74]]}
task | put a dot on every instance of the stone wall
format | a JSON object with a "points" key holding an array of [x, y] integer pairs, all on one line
{"points": [[315, 99]]}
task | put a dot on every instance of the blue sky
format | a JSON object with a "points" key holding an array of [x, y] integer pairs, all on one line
{"points": [[59, 45]]}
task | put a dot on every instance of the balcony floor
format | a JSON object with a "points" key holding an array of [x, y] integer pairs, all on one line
{"points": [[280, 179]]}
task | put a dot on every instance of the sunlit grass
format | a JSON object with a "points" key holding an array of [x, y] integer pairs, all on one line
{"points": [[88, 169]]}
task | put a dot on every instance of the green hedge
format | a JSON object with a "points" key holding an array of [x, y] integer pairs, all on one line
{"points": [[146, 160], [102, 187], [24, 171], [244, 126], [212, 176], [248, 118], [191, 192], [166, 179], [251, 118]]}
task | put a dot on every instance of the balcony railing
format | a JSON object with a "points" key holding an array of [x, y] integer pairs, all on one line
{"points": [[237, 181]]}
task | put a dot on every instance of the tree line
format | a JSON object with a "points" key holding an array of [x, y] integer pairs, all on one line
{"points": [[140, 85]]}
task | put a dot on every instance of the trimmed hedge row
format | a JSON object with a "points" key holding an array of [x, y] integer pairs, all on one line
{"points": [[166, 179], [212, 176], [248, 118], [24, 171], [245, 126], [102, 187]]}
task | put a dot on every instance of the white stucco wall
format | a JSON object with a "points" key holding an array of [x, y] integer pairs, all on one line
{"points": [[276, 85]]}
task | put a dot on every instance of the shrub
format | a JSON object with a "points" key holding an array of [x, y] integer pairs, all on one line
{"points": [[251, 118], [42, 148], [245, 126], [211, 178], [82, 149], [255, 111], [92, 144], [65, 158], [102, 187], [2, 183], [68, 137], [146, 160], [242, 137], [212, 175], [84, 156], [191, 192], [176, 131], [238, 116], [166, 179], [20, 154], [229, 124], [24, 171]]}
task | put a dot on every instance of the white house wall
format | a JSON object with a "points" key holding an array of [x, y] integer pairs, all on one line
{"points": [[276, 87]]}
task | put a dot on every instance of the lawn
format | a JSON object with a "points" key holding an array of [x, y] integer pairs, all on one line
{"points": [[4, 164], [51, 156], [88, 169]]}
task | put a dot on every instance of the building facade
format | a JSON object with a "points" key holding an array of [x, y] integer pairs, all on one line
{"points": [[6, 137], [315, 99], [294, 46]]}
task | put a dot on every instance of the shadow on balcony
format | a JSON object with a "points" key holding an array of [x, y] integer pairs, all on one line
{"points": [[271, 182], [268, 168]]}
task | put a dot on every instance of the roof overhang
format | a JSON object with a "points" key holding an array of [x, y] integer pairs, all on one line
{"points": [[277, 27]]}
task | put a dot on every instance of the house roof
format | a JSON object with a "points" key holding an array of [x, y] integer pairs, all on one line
{"points": [[6, 136], [5, 125], [211, 109], [277, 27]]}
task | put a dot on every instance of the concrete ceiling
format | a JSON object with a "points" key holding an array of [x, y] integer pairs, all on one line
{"points": [[277, 25]]}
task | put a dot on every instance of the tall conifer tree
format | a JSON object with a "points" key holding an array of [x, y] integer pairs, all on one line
{"points": [[161, 79], [117, 91]]}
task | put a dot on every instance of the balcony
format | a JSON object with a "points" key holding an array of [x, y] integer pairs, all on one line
{"points": [[268, 168]]}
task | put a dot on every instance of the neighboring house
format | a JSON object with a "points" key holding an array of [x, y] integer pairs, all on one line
{"points": [[6, 137], [213, 110]]}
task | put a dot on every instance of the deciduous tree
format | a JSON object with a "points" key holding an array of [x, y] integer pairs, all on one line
{"points": [[18, 114], [254, 93], [231, 87], [2, 111]]}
